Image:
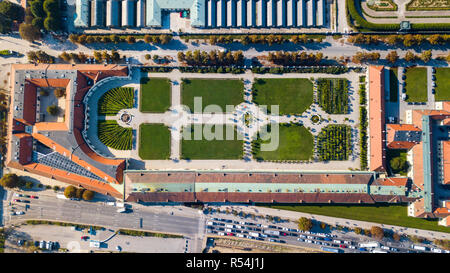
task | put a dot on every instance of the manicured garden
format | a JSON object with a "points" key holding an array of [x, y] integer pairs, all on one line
{"points": [[293, 96], [294, 141], [442, 84], [154, 142], [334, 142], [416, 84], [332, 95], [213, 92], [115, 100], [115, 136], [388, 215], [393, 84], [216, 146], [155, 96]]}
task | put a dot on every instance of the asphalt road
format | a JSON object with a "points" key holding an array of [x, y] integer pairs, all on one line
{"points": [[184, 221]]}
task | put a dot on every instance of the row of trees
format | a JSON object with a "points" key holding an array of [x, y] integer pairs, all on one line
{"points": [[80, 193], [40, 57], [261, 39], [41, 15], [407, 40], [294, 58], [9, 12], [113, 38], [362, 57], [213, 58]]}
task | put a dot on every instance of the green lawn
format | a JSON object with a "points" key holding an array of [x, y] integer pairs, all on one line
{"points": [[220, 148], [293, 96], [416, 84], [155, 96], [154, 141], [213, 92], [389, 215], [393, 84], [294, 143], [442, 84]]}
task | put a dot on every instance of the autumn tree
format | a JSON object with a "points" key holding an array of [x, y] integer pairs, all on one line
{"points": [[392, 56], [377, 232], [305, 224], [426, 56]]}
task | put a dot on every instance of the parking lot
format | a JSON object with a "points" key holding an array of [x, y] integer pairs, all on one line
{"points": [[286, 233]]}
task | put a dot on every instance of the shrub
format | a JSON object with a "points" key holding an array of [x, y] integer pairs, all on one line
{"points": [[334, 142], [70, 191]]}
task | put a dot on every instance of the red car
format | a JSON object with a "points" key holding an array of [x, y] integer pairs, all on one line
{"points": [[230, 234], [342, 246], [84, 237], [283, 233], [34, 197]]}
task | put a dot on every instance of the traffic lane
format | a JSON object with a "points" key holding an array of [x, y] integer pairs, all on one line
{"points": [[100, 214]]}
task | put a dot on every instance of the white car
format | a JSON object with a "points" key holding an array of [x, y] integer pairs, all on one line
{"points": [[20, 213]]}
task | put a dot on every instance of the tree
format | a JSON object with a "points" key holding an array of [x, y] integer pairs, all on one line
{"points": [[29, 32], [377, 232], [147, 38], [98, 56], [409, 56], [51, 24], [115, 56], [38, 22], [396, 237], [79, 193], [11, 11], [392, 57], [51, 7], [53, 110], [165, 39], [397, 164], [5, 23], [70, 192], [88, 195], [131, 39], [37, 9], [11, 180], [60, 92], [358, 230], [148, 56], [426, 56], [435, 39], [73, 38], [305, 224]]}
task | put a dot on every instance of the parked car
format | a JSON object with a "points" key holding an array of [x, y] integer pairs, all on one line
{"points": [[18, 195], [34, 197], [20, 213], [84, 238]]}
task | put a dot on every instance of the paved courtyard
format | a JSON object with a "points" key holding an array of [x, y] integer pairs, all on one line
{"points": [[248, 118]]}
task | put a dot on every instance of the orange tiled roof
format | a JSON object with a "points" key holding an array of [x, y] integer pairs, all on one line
{"points": [[376, 118], [446, 161], [392, 129], [418, 165], [394, 181]]}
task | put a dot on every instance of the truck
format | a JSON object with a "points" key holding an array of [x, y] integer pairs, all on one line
{"points": [[330, 249], [271, 232], [254, 234], [369, 245], [423, 248]]}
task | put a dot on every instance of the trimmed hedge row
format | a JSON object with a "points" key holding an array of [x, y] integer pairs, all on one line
{"points": [[115, 136], [115, 100], [334, 142], [332, 95]]}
